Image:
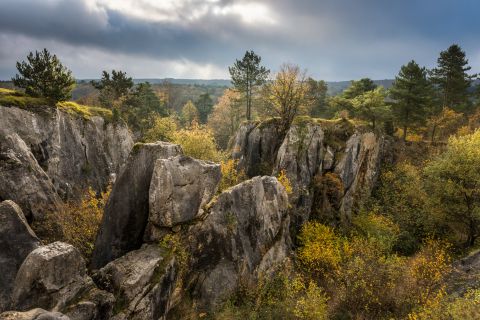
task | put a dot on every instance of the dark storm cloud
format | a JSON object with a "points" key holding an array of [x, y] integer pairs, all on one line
{"points": [[334, 39]]}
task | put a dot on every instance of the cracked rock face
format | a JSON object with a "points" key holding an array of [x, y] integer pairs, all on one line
{"points": [[53, 277], [23, 180], [311, 149], [17, 240], [244, 234], [126, 213], [55, 154], [142, 280], [180, 187]]}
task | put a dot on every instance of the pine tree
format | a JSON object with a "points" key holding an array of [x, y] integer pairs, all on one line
{"points": [[359, 87], [43, 75], [452, 79], [247, 74], [204, 105], [412, 94], [113, 87], [318, 92]]}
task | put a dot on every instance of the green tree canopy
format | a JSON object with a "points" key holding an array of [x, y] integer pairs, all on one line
{"points": [[359, 87], [141, 107], [204, 105], [43, 75], [371, 106], [318, 92], [454, 185], [113, 87], [452, 79], [247, 74], [412, 94]]}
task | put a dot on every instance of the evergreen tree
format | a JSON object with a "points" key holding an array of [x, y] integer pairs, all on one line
{"points": [[247, 74], [204, 105], [412, 94], [142, 106], [452, 79], [359, 87], [43, 75], [113, 87], [371, 106]]}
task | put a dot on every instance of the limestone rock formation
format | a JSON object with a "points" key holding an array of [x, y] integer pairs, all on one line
{"points": [[255, 147], [66, 153], [34, 314], [180, 187], [23, 180], [142, 280], [17, 240], [311, 149], [244, 233], [127, 210], [53, 277]]}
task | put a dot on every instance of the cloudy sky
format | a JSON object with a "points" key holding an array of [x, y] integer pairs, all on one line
{"points": [[333, 39]]}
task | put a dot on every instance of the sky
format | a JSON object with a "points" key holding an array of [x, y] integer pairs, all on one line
{"points": [[334, 40]]}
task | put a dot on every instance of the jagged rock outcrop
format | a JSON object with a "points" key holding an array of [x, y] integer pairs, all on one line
{"points": [[126, 213], [23, 180], [53, 277], [17, 240], [244, 234], [312, 148], [34, 314], [204, 246], [143, 281], [179, 188], [65, 151], [255, 147]]}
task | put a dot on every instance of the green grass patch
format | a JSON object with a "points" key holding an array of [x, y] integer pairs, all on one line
{"points": [[86, 112], [12, 98]]}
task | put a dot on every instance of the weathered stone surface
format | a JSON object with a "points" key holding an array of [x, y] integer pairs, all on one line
{"points": [[22, 179], [359, 168], [73, 153], [180, 187], [53, 277], [44, 275], [126, 212], [17, 240], [142, 280], [243, 234], [255, 147], [34, 314], [311, 149]]}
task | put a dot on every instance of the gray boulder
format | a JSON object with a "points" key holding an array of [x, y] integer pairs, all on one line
{"points": [[17, 240], [244, 234], [53, 277], [34, 314], [126, 212], [180, 187], [142, 280]]}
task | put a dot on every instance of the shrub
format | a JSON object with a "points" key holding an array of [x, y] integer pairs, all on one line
{"points": [[77, 222], [198, 142], [376, 227], [283, 179], [449, 307], [230, 175], [163, 129], [320, 249]]}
